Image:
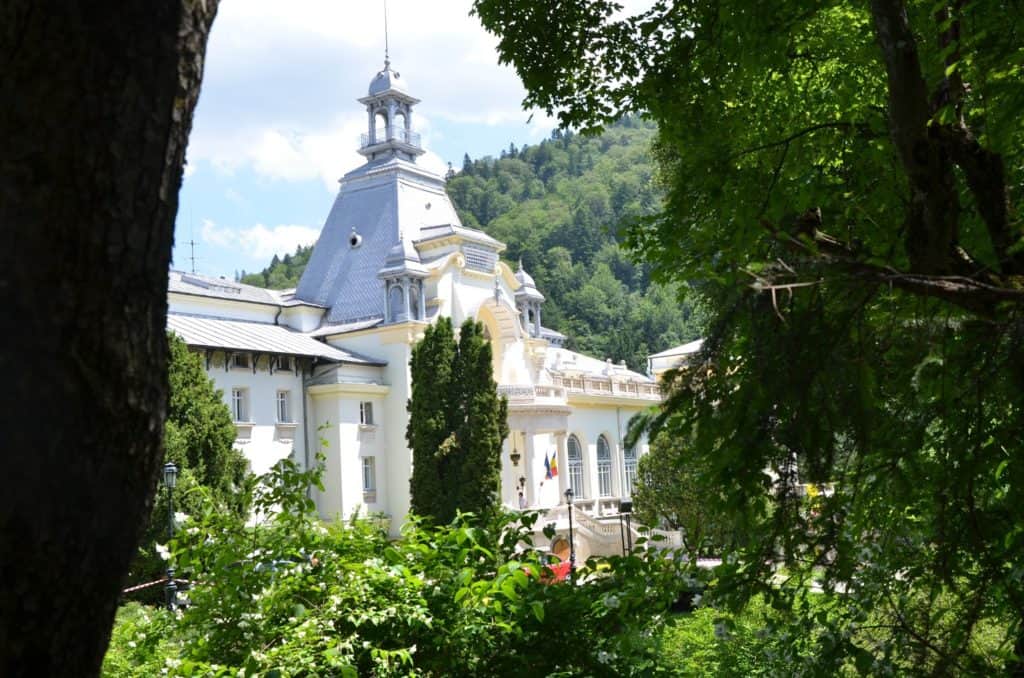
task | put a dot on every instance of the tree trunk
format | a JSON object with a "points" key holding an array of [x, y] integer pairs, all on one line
{"points": [[97, 101]]}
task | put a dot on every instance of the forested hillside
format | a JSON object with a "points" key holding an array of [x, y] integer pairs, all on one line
{"points": [[560, 206], [283, 272]]}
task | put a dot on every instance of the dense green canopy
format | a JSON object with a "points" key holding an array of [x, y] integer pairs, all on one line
{"points": [[843, 183]]}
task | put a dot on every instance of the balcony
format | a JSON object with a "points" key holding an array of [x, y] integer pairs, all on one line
{"points": [[399, 134], [608, 387], [525, 394]]}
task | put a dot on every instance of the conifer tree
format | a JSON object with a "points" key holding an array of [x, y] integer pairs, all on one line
{"points": [[481, 425], [457, 423], [199, 438]]}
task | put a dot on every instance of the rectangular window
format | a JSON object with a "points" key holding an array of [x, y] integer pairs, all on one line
{"points": [[369, 475], [240, 404], [604, 478], [284, 408], [285, 363], [366, 413], [240, 360]]}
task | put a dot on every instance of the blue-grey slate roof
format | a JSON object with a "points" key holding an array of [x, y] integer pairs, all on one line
{"points": [[377, 201]]}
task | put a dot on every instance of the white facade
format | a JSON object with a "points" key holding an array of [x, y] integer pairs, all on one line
{"points": [[332, 356]]}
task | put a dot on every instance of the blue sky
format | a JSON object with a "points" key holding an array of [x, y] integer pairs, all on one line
{"points": [[278, 122]]}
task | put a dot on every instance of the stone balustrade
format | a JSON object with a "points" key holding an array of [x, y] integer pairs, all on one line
{"points": [[609, 387]]}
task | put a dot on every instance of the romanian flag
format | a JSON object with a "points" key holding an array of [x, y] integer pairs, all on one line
{"points": [[554, 464], [547, 468]]}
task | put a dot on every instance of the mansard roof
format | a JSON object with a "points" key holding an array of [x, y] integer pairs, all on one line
{"points": [[376, 202]]}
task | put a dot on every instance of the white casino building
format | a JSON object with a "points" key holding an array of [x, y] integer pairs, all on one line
{"points": [[330, 359]]}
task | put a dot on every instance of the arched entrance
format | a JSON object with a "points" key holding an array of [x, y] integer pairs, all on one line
{"points": [[560, 548]]}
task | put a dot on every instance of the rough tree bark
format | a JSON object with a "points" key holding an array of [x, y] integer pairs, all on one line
{"points": [[97, 101]]}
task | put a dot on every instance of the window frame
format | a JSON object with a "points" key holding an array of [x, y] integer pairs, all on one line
{"points": [[630, 464], [287, 400], [605, 480], [366, 413], [368, 474], [240, 405], [576, 467]]}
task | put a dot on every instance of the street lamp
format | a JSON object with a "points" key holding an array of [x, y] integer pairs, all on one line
{"points": [[572, 543], [170, 480], [626, 509]]}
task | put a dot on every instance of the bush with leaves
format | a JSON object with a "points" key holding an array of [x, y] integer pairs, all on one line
{"points": [[293, 595]]}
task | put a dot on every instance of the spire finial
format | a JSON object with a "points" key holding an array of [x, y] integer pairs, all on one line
{"points": [[387, 59], [520, 263]]}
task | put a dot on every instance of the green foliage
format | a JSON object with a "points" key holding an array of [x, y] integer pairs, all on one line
{"points": [[710, 642], [843, 183], [562, 207], [282, 273], [668, 493], [140, 643], [199, 437], [457, 423], [290, 596]]}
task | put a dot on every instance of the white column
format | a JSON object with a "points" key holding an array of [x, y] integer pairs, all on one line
{"points": [[405, 298], [529, 455], [422, 310], [563, 465], [372, 124], [536, 319], [619, 464], [590, 462]]}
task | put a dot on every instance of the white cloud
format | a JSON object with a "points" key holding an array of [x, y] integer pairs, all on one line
{"points": [[282, 78], [259, 242]]}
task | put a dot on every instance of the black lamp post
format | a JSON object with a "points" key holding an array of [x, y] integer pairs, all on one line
{"points": [[170, 480], [626, 510], [572, 543]]}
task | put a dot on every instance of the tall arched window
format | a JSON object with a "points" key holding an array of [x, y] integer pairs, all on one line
{"points": [[414, 301], [396, 300], [576, 468], [629, 465], [380, 124], [604, 467]]}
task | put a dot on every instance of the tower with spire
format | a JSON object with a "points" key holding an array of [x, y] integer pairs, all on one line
{"points": [[389, 117], [365, 266]]}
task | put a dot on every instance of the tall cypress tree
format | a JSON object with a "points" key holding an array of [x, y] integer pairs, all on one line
{"points": [[429, 415], [457, 423]]}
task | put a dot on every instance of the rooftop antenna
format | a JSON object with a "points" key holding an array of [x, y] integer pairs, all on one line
{"points": [[192, 241], [387, 60]]}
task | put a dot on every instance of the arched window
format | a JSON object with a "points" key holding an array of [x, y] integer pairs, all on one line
{"points": [[576, 468], [380, 123], [399, 131], [604, 467], [396, 302], [414, 302], [629, 465]]}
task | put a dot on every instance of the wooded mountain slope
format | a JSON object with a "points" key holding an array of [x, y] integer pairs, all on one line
{"points": [[560, 207]]}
